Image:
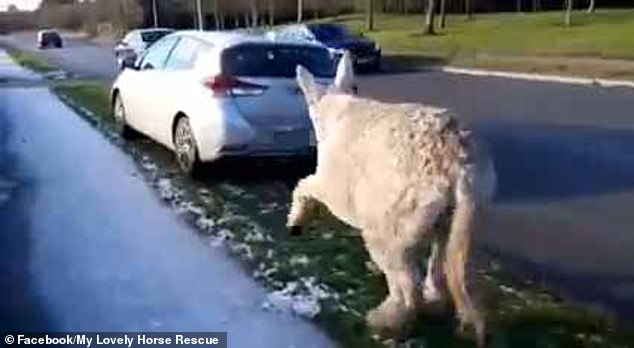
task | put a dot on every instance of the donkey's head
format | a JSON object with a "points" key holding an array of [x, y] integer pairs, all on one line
{"points": [[314, 93]]}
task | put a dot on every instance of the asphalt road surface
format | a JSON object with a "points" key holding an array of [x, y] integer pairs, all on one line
{"points": [[565, 161], [84, 58], [86, 246]]}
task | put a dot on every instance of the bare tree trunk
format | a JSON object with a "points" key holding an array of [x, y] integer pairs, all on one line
{"points": [[518, 5], [247, 19], [591, 7], [430, 17], [199, 15], [300, 10], [536, 5], [468, 9], [216, 16], [271, 7], [568, 14], [370, 14], [155, 13], [255, 17], [443, 14]]}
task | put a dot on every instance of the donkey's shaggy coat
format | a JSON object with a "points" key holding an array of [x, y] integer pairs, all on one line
{"points": [[393, 171]]}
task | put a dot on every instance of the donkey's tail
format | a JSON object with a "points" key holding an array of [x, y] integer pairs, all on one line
{"points": [[465, 215]]}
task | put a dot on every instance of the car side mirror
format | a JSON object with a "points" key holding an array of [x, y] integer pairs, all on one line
{"points": [[129, 62]]}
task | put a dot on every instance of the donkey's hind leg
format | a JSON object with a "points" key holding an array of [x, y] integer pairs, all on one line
{"points": [[399, 257], [390, 317], [434, 287]]}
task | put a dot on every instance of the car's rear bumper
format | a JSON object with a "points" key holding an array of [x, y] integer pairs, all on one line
{"points": [[221, 131], [238, 138], [368, 61]]}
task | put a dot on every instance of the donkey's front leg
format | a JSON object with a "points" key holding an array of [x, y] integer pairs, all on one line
{"points": [[305, 197]]}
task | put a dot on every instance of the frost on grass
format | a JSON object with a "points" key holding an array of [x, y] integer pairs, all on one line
{"points": [[242, 236], [269, 208], [299, 260], [149, 166], [301, 297], [206, 224], [233, 190], [167, 191], [57, 75]]}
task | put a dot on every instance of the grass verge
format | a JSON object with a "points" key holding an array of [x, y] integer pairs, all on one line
{"points": [[31, 61], [498, 41], [328, 264]]}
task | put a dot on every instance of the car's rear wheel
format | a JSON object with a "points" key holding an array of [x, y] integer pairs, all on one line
{"points": [[185, 148], [118, 111]]}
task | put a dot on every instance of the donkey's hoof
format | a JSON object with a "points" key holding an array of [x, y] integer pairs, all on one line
{"points": [[295, 230], [389, 322]]}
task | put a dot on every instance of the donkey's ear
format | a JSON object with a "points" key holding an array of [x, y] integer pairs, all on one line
{"points": [[344, 81], [306, 82]]}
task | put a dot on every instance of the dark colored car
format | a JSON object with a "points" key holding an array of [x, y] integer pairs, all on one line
{"points": [[337, 38], [136, 42], [49, 38]]}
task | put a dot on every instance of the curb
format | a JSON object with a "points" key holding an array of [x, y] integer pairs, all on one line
{"points": [[540, 77]]}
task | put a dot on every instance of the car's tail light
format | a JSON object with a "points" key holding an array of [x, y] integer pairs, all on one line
{"points": [[223, 85]]}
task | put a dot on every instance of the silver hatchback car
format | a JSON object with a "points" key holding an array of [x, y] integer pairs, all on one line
{"points": [[207, 95]]}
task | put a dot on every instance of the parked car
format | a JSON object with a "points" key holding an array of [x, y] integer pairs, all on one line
{"points": [[49, 38], [338, 38], [136, 42], [208, 95]]}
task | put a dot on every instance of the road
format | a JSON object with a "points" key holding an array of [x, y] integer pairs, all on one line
{"points": [[84, 58], [565, 163], [81, 254]]}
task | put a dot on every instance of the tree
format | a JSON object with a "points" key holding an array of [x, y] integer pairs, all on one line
{"points": [[518, 5], [300, 10], [155, 13], [255, 14], [271, 8], [217, 22], [199, 15], [443, 14], [568, 12], [468, 9], [430, 17], [12, 8], [370, 14], [590, 6]]}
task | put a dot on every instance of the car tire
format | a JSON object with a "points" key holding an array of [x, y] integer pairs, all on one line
{"points": [[185, 148], [119, 115]]}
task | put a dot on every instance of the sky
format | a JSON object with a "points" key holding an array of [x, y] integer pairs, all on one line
{"points": [[21, 4]]}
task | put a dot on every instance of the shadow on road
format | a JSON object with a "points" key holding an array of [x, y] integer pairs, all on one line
{"points": [[21, 309], [259, 169], [546, 161], [614, 290]]}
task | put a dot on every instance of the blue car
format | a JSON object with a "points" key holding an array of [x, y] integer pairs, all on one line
{"points": [[338, 39]]}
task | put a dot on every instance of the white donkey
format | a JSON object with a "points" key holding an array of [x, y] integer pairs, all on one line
{"points": [[395, 171]]}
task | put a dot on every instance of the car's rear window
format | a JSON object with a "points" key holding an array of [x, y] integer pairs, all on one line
{"points": [[153, 36], [276, 60], [50, 35]]}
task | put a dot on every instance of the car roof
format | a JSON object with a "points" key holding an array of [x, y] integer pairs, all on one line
{"points": [[224, 39], [149, 30]]}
